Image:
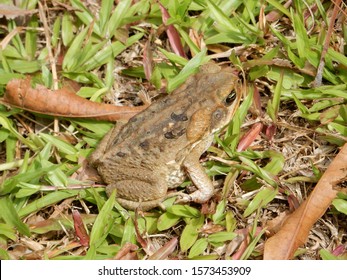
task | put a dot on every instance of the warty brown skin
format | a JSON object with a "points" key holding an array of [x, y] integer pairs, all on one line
{"points": [[160, 146]]}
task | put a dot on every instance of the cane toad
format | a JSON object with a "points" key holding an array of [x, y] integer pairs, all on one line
{"points": [[158, 147]]}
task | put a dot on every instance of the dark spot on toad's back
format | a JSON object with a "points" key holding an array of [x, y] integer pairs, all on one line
{"points": [[181, 132], [120, 154], [144, 145], [174, 134], [169, 135], [179, 117]]}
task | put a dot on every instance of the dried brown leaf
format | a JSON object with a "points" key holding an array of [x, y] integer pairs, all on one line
{"points": [[165, 251], [270, 131], [80, 229], [11, 11], [339, 250], [210, 228], [127, 252], [62, 103], [249, 137], [295, 230], [62, 250]]}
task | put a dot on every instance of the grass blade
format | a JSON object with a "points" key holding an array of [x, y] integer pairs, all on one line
{"points": [[46, 200], [9, 214], [118, 15], [102, 226], [190, 68]]}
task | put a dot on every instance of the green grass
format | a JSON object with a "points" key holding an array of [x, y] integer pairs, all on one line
{"points": [[40, 182]]}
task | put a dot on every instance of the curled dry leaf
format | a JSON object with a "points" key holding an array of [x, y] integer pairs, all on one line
{"points": [[80, 229], [165, 251], [339, 250], [210, 228], [249, 137], [127, 252], [295, 229], [62, 103], [270, 131]]}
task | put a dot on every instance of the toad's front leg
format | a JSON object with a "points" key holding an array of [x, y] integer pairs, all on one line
{"points": [[198, 176]]}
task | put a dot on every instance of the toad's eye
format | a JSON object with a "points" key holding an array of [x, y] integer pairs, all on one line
{"points": [[230, 98]]}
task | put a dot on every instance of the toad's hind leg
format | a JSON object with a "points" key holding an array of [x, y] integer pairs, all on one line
{"points": [[132, 194]]}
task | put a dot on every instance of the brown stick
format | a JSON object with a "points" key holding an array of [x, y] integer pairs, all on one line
{"points": [[43, 18], [319, 75]]}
